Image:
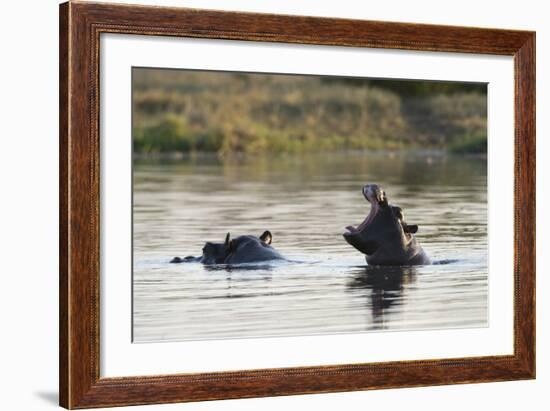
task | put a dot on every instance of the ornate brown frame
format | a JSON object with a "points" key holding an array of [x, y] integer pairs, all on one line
{"points": [[81, 24]]}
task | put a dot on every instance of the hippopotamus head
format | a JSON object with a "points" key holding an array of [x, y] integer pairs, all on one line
{"points": [[245, 248], [384, 236], [242, 249]]}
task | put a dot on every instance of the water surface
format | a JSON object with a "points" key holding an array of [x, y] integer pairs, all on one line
{"points": [[305, 202]]}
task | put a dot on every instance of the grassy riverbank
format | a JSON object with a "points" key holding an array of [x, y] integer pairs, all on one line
{"points": [[227, 113]]}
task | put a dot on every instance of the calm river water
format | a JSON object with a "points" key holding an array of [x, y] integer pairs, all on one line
{"points": [[306, 202]]}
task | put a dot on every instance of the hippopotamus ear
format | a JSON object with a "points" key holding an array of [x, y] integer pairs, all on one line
{"points": [[410, 228], [266, 237]]}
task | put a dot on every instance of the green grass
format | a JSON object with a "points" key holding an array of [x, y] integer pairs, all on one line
{"points": [[225, 113], [470, 145]]}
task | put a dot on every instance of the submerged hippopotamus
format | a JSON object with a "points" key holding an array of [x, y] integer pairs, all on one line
{"points": [[240, 250], [384, 236]]}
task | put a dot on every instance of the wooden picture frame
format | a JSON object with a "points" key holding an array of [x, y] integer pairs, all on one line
{"points": [[80, 27]]}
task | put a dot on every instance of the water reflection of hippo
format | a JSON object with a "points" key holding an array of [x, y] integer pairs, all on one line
{"points": [[384, 236], [384, 289], [240, 250]]}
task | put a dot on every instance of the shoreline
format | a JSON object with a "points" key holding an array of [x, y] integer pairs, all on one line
{"points": [[390, 153]]}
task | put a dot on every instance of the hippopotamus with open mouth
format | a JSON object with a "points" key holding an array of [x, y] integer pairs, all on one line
{"points": [[384, 236], [240, 250]]}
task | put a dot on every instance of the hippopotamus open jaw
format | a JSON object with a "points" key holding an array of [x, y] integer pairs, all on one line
{"points": [[384, 236], [240, 250]]}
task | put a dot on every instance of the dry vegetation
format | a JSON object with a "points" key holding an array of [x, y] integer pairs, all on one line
{"points": [[187, 111]]}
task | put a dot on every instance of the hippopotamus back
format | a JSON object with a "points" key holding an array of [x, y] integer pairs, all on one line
{"points": [[251, 249]]}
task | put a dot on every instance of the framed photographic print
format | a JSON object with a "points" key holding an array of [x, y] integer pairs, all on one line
{"points": [[259, 205]]}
